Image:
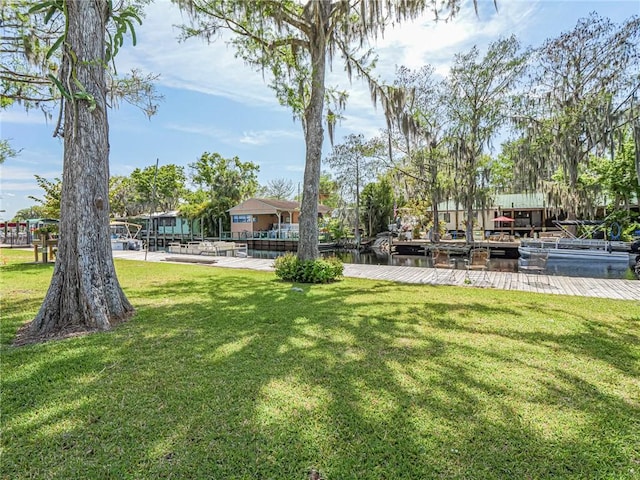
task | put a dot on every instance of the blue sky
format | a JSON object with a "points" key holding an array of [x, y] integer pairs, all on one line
{"points": [[214, 103]]}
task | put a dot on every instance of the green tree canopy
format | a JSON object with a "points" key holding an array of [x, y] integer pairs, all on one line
{"points": [[35, 211], [328, 191], [162, 190], [420, 120], [355, 163], [618, 176], [479, 100], [377, 206], [228, 181], [50, 203], [583, 92]]}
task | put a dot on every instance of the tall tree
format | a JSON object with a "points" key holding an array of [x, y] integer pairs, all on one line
{"points": [[35, 211], [84, 294], [50, 202], [121, 197], [480, 90], [420, 121], [328, 190], [502, 167], [161, 190], [228, 181], [355, 163], [377, 202], [584, 91], [618, 175], [296, 42], [279, 188], [195, 209]]}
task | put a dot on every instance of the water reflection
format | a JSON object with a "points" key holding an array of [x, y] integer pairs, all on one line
{"points": [[495, 264], [586, 269], [593, 270]]}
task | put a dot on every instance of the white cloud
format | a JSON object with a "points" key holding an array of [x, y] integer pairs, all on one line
{"points": [[221, 135], [34, 117], [250, 137], [192, 64], [200, 130], [9, 172], [425, 42], [265, 137], [21, 188], [213, 68], [298, 168], [38, 159]]}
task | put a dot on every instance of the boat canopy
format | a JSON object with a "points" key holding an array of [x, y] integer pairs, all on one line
{"points": [[125, 229], [579, 222], [593, 226]]}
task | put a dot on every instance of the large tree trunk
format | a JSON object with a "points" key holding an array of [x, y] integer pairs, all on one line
{"points": [[84, 294], [357, 229], [314, 136], [435, 235], [435, 196], [469, 198]]}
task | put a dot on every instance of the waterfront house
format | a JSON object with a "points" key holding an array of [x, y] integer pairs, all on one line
{"points": [[529, 212], [267, 218]]}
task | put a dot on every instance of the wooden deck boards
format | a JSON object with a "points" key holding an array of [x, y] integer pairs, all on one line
{"points": [[575, 286]]}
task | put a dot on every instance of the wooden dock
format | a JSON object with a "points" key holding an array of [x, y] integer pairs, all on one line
{"points": [[551, 284]]}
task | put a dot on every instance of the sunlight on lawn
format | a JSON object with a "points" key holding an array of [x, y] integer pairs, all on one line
{"points": [[230, 374]]}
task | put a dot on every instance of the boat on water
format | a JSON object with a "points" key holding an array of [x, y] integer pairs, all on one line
{"points": [[579, 250], [124, 236]]}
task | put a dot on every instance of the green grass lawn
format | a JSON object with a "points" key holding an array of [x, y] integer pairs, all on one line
{"points": [[229, 374]]}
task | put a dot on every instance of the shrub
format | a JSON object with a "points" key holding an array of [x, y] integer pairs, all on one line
{"points": [[46, 230], [322, 270]]}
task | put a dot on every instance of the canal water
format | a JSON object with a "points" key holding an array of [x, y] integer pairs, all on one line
{"points": [[563, 268]]}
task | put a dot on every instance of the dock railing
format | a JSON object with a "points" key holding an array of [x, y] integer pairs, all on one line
{"points": [[218, 248]]}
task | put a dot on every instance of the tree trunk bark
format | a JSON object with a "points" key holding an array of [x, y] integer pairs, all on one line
{"points": [[357, 230], [435, 194], [84, 294], [435, 236], [470, 196], [314, 136]]}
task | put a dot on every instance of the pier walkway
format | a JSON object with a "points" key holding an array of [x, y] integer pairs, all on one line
{"points": [[577, 286]]}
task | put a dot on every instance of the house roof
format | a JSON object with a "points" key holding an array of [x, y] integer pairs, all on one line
{"points": [[269, 205], [280, 204], [520, 200], [172, 213], [514, 201]]}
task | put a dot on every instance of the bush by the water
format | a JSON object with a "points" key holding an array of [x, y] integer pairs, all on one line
{"points": [[322, 270]]}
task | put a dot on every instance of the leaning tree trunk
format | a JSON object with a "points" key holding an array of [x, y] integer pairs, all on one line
{"points": [[84, 294], [308, 241]]}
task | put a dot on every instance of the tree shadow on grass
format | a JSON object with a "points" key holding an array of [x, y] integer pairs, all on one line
{"points": [[18, 303], [613, 341], [27, 268], [238, 376]]}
